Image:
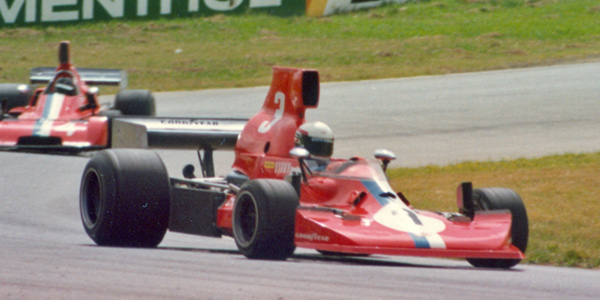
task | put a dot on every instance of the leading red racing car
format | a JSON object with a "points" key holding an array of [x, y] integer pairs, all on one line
{"points": [[65, 115], [285, 192]]}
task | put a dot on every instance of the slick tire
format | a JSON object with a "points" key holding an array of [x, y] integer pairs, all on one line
{"points": [[124, 198], [264, 216], [135, 103], [15, 94], [499, 199]]}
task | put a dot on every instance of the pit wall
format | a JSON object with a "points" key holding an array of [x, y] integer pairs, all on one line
{"points": [[18, 13]]}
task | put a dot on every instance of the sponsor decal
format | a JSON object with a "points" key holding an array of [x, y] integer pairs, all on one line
{"points": [[313, 237], [68, 128], [190, 122], [283, 167], [269, 165]]}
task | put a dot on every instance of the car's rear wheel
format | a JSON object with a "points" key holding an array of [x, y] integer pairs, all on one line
{"points": [[498, 199], [135, 103], [264, 218], [124, 198]]}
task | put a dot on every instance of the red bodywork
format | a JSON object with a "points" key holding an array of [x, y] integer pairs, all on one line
{"points": [[350, 207], [55, 120]]}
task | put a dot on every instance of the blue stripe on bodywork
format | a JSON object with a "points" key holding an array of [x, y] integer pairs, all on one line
{"points": [[420, 241], [376, 191], [37, 127]]}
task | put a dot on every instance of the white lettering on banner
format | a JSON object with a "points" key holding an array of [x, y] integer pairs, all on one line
{"points": [[72, 10], [165, 7], [114, 8], [220, 5], [264, 3], [49, 15], [193, 5], [9, 14], [142, 7]]}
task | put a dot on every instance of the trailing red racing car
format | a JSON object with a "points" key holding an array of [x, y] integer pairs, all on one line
{"points": [[65, 115], [285, 191]]}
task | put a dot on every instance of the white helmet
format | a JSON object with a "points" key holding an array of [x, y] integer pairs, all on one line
{"points": [[316, 137]]}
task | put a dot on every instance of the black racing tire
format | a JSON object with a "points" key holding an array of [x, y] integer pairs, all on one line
{"points": [[486, 199], [264, 216], [124, 198], [135, 103], [16, 94]]}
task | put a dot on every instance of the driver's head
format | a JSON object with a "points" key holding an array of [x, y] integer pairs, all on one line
{"points": [[316, 137], [65, 86]]}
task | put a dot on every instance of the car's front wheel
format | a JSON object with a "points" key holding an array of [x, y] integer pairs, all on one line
{"points": [[498, 199], [264, 218]]}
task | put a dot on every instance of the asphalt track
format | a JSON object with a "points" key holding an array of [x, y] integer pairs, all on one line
{"points": [[45, 254]]}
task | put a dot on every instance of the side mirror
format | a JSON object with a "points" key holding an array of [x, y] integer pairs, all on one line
{"points": [[385, 156], [92, 96], [301, 154]]}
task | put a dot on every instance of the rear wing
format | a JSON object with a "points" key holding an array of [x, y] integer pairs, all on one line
{"points": [[115, 77], [176, 133]]}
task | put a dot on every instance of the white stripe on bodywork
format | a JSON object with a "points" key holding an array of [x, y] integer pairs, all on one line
{"points": [[51, 114], [435, 241]]}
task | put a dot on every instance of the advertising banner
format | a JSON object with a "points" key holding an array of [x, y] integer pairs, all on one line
{"points": [[51, 12]]}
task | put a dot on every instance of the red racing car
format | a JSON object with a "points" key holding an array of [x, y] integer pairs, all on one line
{"points": [[285, 191], [65, 115]]}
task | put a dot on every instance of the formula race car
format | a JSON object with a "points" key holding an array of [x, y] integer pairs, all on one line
{"points": [[65, 115], [284, 191]]}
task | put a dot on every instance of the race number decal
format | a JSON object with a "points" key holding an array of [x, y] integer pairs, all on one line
{"points": [[266, 125], [422, 229]]}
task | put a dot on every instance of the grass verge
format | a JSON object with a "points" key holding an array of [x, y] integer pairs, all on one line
{"points": [[418, 38]]}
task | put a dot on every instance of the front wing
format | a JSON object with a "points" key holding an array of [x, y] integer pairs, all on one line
{"points": [[487, 236]]}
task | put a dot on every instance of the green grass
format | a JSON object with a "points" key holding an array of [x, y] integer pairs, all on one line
{"points": [[560, 194], [418, 38]]}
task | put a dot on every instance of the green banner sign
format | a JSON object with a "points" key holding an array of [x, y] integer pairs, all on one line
{"points": [[16, 13]]}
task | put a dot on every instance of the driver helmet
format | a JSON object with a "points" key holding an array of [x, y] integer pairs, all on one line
{"points": [[316, 138], [65, 86]]}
